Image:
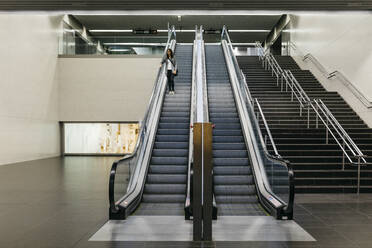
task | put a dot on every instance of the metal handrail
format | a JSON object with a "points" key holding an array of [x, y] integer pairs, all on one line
{"points": [[246, 88], [204, 78], [286, 76], [143, 132], [249, 95], [347, 143], [352, 87], [191, 139], [260, 113], [357, 93], [331, 122]]}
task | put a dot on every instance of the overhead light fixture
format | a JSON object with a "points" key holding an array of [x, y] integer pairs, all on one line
{"points": [[180, 12], [133, 44], [179, 30], [153, 31], [249, 31], [110, 30], [244, 44], [212, 31], [119, 50], [145, 31], [132, 30]]}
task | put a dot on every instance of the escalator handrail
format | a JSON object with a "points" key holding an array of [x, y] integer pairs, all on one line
{"points": [[287, 208], [143, 131], [192, 117], [203, 111]]}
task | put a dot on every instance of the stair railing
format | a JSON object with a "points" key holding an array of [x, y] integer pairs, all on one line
{"points": [[349, 148], [268, 133], [269, 62], [359, 95], [298, 92], [259, 114], [344, 141], [287, 79]]}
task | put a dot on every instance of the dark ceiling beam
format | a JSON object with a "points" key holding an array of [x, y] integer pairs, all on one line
{"points": [[54, 5]]}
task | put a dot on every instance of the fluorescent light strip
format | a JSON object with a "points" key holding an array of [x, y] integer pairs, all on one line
{"points": [[161, 44], [130, 31], [110, 30], [244, 44], [248, 31], [119, 50], [180, 31], [178, 12], [133, 44]]}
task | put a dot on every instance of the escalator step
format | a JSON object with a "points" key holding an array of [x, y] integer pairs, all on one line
{"points": [[226, 190], [165, 188], [163, 198], [233, 180], [166, 178], [167, 169]]}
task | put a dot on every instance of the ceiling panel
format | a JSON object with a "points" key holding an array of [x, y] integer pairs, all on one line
{"points": [[187, 22], [185, 5]]}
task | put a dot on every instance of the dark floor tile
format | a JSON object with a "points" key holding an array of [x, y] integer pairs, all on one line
{"points": [[63, 202], [302, 245], [253, 244]]}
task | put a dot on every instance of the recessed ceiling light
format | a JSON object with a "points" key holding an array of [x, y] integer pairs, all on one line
{"points": [[133, 44], [110, 30]]}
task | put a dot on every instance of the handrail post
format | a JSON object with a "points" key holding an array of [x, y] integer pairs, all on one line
{"points": [[277, 79], [308, 115], [327, 132], [316, 116], [358, 190], [292, 92], [343, 154], [281, 83]]}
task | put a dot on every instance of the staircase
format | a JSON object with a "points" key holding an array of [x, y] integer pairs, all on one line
{"points": [[234, 186], [165, 188], [317, 165]]}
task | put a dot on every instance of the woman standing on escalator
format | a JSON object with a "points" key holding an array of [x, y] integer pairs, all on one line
{"points": [[171, 66]]}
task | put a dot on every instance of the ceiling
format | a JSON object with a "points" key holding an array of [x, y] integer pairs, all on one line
{"points": [[256, 24], [185, 5]]}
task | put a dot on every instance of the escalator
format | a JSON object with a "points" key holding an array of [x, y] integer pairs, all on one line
{"points": [[234, 186], [247, 180], [158, 167], [165, 188]]}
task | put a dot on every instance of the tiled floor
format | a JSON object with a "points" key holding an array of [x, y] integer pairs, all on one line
{"points": [[63, 202]]}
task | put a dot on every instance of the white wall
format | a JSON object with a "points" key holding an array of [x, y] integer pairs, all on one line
{"points": [[29, 126], [105, 88], [340, 41]]}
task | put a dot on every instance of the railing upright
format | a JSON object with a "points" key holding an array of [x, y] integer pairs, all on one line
{"points": [[330, 122]]}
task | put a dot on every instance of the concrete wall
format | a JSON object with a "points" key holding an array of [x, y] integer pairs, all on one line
{"points": [[340, 41], [29, 126], [112, 88]]}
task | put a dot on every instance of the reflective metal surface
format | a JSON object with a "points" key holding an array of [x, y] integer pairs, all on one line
{"points": [[273, 176], [122, 205], [348, 147]]}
